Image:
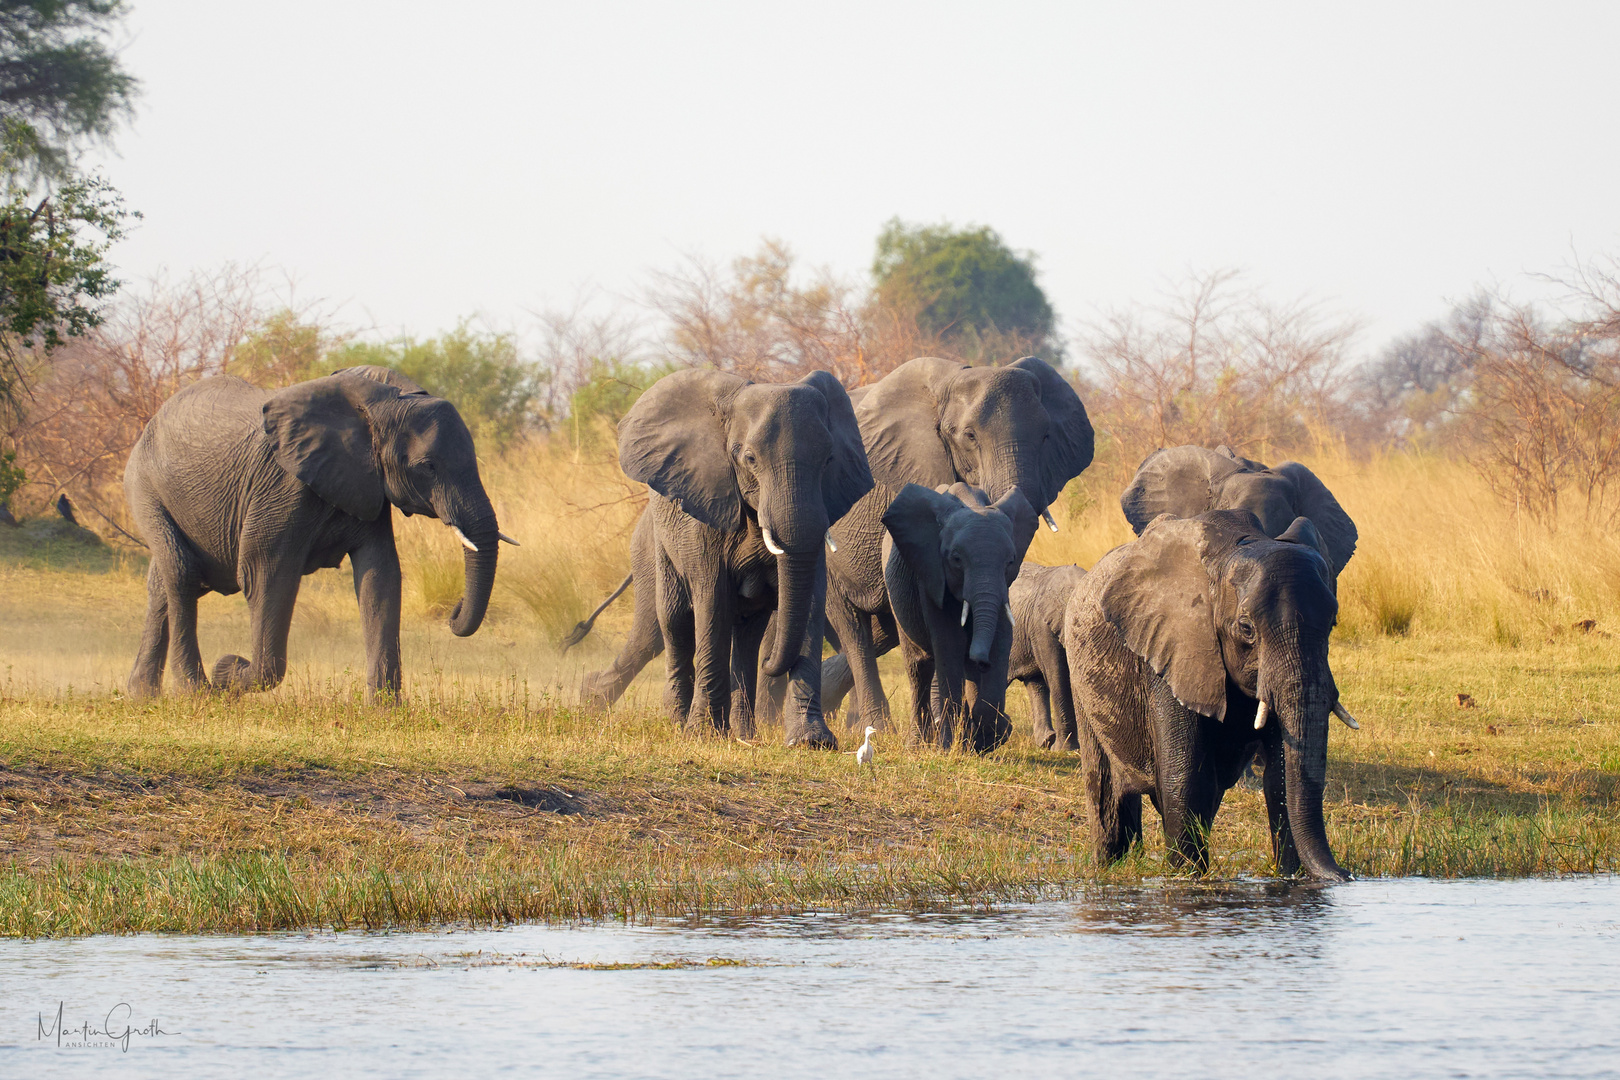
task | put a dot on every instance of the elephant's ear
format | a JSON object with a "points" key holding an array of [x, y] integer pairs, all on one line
{"points": [[899, 418], [386, 375], [1022, 515], [915, 520], [1158, 596], [848, 476], [673, 439], [1178, 480], [322, 435], [1312, 499], [1070, 441]]}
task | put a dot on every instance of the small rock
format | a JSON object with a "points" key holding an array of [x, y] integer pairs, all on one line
{"points": [[1585, 626], [1466, 701]]}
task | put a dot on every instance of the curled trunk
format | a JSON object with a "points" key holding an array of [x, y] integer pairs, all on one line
{"points": [[795, 586], [468, 614]]}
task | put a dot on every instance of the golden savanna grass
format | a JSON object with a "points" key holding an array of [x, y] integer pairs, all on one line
{"points": [[489, 794]]}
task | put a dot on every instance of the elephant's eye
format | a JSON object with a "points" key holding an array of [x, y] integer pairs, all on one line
{"points": [[971, 437], [426, 465], [1246, 629]]}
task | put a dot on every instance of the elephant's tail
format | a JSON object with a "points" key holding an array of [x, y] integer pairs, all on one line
{"points": [[577, 634]]}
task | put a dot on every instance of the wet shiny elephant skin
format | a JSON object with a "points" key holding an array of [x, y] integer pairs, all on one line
{"points": [[1038, 599], [1174, 642], [237, 489], [746, 480]]}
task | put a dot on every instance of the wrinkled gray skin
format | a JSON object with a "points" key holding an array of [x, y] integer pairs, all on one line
{"points": [[236, 489], [935, 422], [727, 459], [1173, 640], [948, 561], [1039, 598], [1188, 480]]}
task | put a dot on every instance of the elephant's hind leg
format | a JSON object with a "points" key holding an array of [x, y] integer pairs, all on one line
{"points": [[146, 677]]}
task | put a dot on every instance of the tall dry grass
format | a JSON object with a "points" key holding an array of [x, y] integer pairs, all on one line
{"points": [[1439, 556]]}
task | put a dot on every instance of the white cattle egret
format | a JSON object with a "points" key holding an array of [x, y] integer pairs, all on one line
{"points": [[867, 752]]}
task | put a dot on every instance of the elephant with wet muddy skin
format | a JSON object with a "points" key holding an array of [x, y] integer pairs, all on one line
{"points": [[746, 480], [1190, 648], [237, 489]]}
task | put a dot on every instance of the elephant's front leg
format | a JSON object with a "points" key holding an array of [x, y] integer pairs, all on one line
{"points": [[1054, 665], [804, 723], [745, 643], [272, 592], [1040, 710], [377, 588], [1188, 790], [854, 628], [713, 617]]}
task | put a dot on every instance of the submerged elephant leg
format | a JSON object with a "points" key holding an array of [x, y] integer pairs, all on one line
{"points": [[377, 590], [146, 677]]}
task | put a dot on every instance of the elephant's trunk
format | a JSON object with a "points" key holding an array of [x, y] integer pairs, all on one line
{"points": [[1303, 698], [480, 531], [795, 588], [986, 608]]}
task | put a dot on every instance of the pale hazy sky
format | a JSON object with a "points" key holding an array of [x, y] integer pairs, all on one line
{"points": [[418, 162]]}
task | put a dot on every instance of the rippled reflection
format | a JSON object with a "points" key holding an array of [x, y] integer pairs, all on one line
{"points": [[1380, 978]]}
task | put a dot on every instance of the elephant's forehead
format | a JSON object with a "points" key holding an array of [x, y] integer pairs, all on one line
{"points": [[1265, 495], [763, 411], [986, 392], [978, 525]]}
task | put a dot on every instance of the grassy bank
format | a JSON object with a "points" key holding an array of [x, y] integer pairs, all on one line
{"points": [[489, 795]]}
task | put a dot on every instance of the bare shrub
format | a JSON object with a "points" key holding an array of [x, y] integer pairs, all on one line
{"points": [[1217, 363]]}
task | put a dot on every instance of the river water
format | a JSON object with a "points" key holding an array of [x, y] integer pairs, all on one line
{"points": [[1393, 978]]}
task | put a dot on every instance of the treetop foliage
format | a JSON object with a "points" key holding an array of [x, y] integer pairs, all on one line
{"points": [[61, 83], [965, 286]]}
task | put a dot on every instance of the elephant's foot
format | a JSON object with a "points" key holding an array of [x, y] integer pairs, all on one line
{"points": [[815, 735], [594, 692], [233, 674]]}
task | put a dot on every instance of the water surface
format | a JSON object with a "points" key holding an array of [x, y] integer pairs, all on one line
{"points": [[1374, 978]]}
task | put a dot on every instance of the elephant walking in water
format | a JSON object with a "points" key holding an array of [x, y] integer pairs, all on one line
{"points": [[746, 480], [240, 490]]}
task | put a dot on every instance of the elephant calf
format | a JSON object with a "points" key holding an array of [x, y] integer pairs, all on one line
{"points": [[1189, 648], [239, 490], [1038, 599], [953, 550]]}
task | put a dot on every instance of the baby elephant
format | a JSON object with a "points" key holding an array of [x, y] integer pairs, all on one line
{"points": [[1189, 648], [950, 554], [1038, 599]]}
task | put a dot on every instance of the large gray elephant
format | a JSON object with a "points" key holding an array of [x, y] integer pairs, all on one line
{"points": [[1038, 600], [935, 422], [746, 480], [1190, 648], [1188, 480], [236, 489], [950, 556]]}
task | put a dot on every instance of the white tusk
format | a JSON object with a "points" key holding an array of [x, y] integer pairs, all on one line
{"points": [[1260, 717], [508, 539], [770, 543], [1010, 620], [964, 614], [1046, 516], [832, 545], [1344, 714], [466, 543]]}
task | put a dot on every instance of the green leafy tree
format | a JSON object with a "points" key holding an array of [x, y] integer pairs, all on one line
{"points": [[283, 349], [966, 288], [480, 373], [611, 387], [61, 83]]}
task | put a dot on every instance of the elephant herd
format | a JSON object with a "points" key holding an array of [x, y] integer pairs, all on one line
{"points": [[783, 516]]}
